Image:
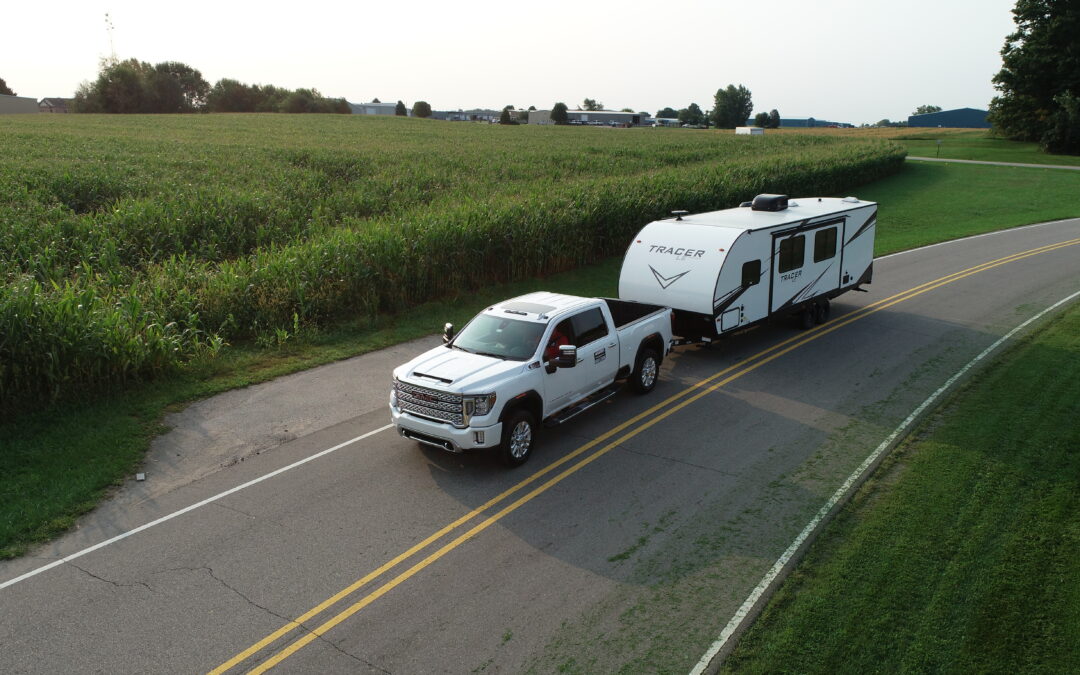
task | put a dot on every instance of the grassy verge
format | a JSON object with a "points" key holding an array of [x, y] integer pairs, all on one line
{"points": [[960, 555], [977, 145], [927, 202], [59, 462]]}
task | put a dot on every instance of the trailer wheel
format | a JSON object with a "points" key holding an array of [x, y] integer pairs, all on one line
{"points": [[823, 310], [646, 371], [518, 437], [807, 316]]}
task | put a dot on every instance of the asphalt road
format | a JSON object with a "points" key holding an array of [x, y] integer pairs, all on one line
{"points": [[616, 550]]}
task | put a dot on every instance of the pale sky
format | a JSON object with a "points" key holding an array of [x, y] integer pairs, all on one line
{"points": [[840, 60]]}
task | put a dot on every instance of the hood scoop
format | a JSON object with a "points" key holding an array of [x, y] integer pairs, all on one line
{"points": [[432, 377]]}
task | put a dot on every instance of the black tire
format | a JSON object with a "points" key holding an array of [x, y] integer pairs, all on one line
{"points": [[824, 310], [806, 317], [646, 371], [518, 437]]}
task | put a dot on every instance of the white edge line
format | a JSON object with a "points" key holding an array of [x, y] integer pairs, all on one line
{"points": [[186, 509], [841, 493]]}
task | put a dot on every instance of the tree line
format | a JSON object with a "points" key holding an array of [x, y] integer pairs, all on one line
{"points": [[1040, 77], [134, 86]]}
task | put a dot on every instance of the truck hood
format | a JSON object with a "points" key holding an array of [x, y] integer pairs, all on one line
{"points": [[458, 371]]}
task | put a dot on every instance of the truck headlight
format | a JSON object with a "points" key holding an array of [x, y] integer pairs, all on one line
{"points": [[478, 405], [393, 394]]}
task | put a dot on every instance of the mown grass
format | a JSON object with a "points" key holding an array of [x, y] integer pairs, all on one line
{"points": [[929, 202], [960, 556], [978, 145], [131, 245]]}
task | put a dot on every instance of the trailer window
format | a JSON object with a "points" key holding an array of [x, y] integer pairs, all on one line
{"points": [[824, 244], [751, 273], [589, 326], [792, 253]]}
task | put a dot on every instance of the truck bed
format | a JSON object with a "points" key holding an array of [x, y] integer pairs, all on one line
{"points": [[625, 312]]}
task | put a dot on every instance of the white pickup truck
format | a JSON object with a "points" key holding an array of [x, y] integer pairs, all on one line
{"points": [[539, 358]]}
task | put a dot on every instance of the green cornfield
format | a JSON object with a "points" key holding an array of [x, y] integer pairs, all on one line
{"points": [[130, 245]]}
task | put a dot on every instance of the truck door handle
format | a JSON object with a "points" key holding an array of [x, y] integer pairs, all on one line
{"points": [[611, 346]]}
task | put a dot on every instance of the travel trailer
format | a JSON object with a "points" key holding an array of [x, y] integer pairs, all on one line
{"points": [[724, 271]]}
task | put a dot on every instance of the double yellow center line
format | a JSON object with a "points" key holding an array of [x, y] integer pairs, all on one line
{"points": [[551, 475]]}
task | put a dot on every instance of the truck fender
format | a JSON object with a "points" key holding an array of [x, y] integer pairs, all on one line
{"points": [[529, 400], [655, 342]]}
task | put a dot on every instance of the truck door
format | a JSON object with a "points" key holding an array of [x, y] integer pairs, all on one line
{"points": [[806, 263], [598, 349], [561, 386]]}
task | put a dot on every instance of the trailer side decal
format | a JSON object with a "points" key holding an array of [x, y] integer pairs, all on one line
{"points": [[870, 222], [667, 281]]}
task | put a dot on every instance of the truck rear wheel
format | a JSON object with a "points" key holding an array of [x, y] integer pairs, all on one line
{"points": [[518, 437], [646, 371]]}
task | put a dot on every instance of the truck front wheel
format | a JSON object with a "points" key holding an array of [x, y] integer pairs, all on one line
{"points": [[518, 437], [646, 371]]}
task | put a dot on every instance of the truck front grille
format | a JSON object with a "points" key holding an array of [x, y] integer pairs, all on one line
{"points": [[430, 403]]}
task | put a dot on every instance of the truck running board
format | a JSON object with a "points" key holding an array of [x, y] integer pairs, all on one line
{"points": [[581, 406]]}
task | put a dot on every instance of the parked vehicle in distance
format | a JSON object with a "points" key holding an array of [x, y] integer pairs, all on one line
{"points": [[724, 271], [541, 358]]}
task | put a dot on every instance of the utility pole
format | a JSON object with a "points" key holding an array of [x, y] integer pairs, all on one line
{"points": [[112, 49]]}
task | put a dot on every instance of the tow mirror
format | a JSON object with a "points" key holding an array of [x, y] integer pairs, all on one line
{"points": [[567, 356], [448, 333]]}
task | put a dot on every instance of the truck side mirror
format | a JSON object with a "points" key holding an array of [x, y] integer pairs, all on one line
{"points": [[448, 333], [567, 356]]}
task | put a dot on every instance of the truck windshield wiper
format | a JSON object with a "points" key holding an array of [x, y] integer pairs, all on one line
{"points": [[454, 346], [494, 356]]}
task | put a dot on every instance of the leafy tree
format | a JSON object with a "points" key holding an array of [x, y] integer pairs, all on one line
{"points": [[774, 119], [691, 115], [505, 117], [532, 107], [559, 114], [4, 89], [1040, 75], [592, 104], [733, 107], [761, 120], [375, 100], [667, 112], [421, 109], [629, 110], [926, 109], [884, 123], [400, 110]]}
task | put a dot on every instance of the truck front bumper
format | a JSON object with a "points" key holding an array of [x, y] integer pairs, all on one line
{"points": [[445, 436]]}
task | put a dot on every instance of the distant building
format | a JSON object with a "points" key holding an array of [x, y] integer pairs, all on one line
{"points": [[54, 105], [961, 118], [602, 118], [374, 108], [806, 123], [16, 105]]}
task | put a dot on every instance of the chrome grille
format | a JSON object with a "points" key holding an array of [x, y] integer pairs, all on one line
{"points": [[430, 403]]}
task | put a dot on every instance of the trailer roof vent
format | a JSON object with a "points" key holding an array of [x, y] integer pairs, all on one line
{"points": [[769, 203]]}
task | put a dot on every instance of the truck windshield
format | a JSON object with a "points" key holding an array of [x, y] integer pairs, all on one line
{"points": [[499, 337]]}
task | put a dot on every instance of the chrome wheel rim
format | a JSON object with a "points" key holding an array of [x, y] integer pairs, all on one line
{"points": [[648, 372], [520, 439]]}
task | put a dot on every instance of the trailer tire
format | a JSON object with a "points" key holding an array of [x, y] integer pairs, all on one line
{"points": [[518, 437], [823, 310], [646, 371], [807, 317]]}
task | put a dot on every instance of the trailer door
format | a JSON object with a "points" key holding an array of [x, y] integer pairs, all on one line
{"points": [[806, 263]]}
